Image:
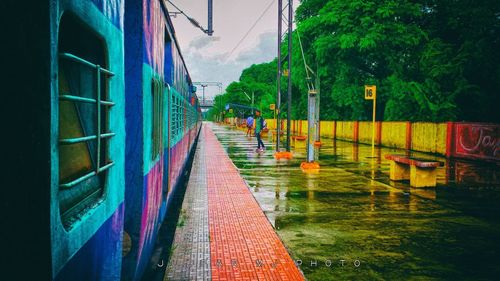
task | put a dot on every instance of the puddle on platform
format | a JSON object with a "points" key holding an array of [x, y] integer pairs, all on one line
{"points": [[350, 213]]}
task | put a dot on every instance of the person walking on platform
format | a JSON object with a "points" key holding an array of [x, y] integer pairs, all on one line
{"points": [[259, 126], [249, 126]]}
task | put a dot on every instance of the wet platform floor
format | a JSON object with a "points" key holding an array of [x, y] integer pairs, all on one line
{"points": [[222, 233], [350, 222]]}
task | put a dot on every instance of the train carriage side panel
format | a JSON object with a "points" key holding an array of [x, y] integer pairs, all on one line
{"points": [[134, 50], [158, 141], [145, 193], [88, 136]]}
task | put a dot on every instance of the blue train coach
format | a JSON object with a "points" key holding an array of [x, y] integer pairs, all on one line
{"points": [[102, 116], [163, 121]]}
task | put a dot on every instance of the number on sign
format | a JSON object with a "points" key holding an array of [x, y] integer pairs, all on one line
{"points": [[370, 92]]}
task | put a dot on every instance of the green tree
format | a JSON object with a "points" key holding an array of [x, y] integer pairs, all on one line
{"points": [[259, 79], [431, 60]]}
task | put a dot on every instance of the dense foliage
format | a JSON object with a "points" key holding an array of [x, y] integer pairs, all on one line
{"points": [[431, 60]]}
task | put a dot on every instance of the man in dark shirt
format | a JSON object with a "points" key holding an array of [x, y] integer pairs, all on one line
{"points": [[259, 126]]}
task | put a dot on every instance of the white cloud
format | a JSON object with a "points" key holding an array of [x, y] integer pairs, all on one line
{"points": [[265, 50], [204, 66], [202, 41]]}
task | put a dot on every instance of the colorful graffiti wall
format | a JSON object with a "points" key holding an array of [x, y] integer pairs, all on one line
{"points": [[474, 141]]}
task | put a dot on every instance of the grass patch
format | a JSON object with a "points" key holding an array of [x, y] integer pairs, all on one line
{"points": [[182, 218]]}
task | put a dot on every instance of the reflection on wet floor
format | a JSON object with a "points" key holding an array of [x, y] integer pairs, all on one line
{"points": [[349, 221]]}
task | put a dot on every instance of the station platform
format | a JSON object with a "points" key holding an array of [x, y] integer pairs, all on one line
{"points": [[222, 232]]}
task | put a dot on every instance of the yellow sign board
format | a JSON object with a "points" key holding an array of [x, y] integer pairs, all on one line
{"points": [[285, 72], [230, 110], [370, 92], [272, 106]]}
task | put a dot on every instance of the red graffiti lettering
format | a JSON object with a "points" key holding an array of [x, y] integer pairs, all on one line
{"points": [[478, 141]]}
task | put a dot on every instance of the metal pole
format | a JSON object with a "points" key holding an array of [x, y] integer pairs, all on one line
{"points": [[221, 109], [203, 99], [289, 102], [278, 80], [210, 30], [318, 137], [311, 114], [252, 102], [373, 125]]}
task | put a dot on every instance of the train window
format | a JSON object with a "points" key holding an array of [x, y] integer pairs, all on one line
{"points": [[157, 118], [173, 115], [177, 115], [180, 108], [84, 110]]}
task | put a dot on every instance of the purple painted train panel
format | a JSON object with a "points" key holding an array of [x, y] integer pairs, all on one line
{"points": [[157, 57], [153, 199], [154, 35], [100, 257]]}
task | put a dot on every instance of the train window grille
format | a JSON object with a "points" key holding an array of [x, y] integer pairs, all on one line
{"points": [[157, 117], [178, 119], [184, 114], [79, 147], [176, 116], [180, 116], [186, 110], [83, 120]]}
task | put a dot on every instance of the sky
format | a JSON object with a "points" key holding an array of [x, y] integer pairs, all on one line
{"points": [[209, 58]]}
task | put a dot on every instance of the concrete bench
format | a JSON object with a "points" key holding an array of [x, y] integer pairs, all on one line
{"points": [[301, 138], [420, 172]]}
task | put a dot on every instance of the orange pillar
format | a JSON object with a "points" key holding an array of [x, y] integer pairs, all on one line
{"points": [[335, 129], [408, 135], [378, 133], [355, 134]]}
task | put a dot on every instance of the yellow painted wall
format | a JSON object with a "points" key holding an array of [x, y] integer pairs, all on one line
{"points": [[295, 127], [304, 127], [327, 128], [271, 124], [394, 134], [365, 132], [345, 130], [429, 137], [426, 137]]}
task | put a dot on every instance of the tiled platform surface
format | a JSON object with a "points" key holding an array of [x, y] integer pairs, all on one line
{"points": [[191, 251], [243, 244]]}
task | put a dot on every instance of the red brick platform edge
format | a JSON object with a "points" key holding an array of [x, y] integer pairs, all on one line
{"points": [[243, 243]]}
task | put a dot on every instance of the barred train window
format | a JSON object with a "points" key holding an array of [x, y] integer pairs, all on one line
{"points": [[181, 116], [84, 109], [176, 116], [180, 113], [157, 118]]}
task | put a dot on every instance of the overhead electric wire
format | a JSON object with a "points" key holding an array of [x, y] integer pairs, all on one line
{"points": [[251, 28], [190, 19]]}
